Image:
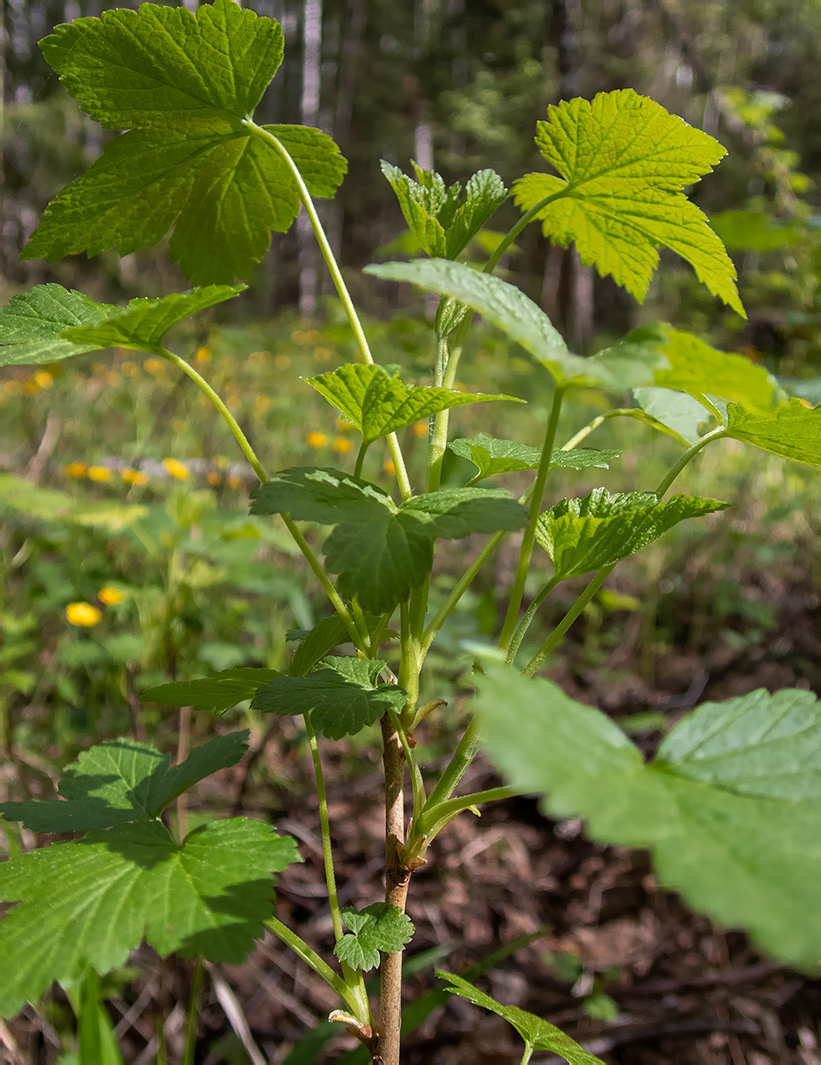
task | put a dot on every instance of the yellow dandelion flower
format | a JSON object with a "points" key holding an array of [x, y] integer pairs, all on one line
{"points": [[44, 379], [98, 473], [30, 387], [420, 428], [221, 462], [83, 615], [75, 469], [234, 481], [344, 427], [257, 358], [323, 354], [110, 595], [130, 369], [342, 445], [175, 468], [154, 366], [203, 354], [112, 378], [316, 439], [389, 467], [134, 476], [261, 405], [282, 362], [213, 479]]}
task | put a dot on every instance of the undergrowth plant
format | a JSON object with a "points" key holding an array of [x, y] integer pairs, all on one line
{"points": [[729, 805]]}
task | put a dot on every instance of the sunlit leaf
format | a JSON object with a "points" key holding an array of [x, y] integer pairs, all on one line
{"points": [[217, 693], [32, 324], [379, 927], [677, 412], [581, 535], [624, 162], [791, 430], [492, 456]]}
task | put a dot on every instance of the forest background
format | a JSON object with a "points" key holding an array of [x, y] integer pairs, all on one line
{"points": [[456, 85]]}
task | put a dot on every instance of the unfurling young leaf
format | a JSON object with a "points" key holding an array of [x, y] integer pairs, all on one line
{"points": [[380, 549], [378, 404], [730, 805], [379, 927], [443, 226], [183, 86], [581, 535], [343, 696], [90, 902], [623, 162], [536, 1033]]}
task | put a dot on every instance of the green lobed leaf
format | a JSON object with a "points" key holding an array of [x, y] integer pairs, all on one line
{"points": [[493, 456], [676, 413], [442, 225], [379, 927], [144, 323], [122, 781], [182, 85], [521, 319], [90, 903], [378, 404], [624, 161], [32, 324], [791, 430], [718, 836], [50, 504], [217, 693], [537, 1034], [342, 696], [381, 550], [325, 635], [581, 535]]}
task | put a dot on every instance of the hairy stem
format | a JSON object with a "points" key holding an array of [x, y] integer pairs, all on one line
{"points": [[555, 637], [524, 624], [396, 892], [327, 853]]}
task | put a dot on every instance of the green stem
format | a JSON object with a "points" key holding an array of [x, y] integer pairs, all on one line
{"points": [[320, 574], [675, 470], [360, 458], [313, 960], [528, 1054], [446, 811], [459, 764], [529, 534], [524, 624], [336, 276], [417, 784], [516, 229], [555, 637], [409, 665], [327, 852], [627, 412]]}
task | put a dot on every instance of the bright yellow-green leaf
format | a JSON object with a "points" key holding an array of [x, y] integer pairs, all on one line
{"points": [[624, 162]]}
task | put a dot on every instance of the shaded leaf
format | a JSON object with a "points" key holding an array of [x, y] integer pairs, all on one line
{"points": [[325, 635], [537, 1034], [182, 85], [679, 414], [123, 781], [342, 696], [581, 535], [623, 162], [379, 927], [791, 430], [321, 494], [493, 456], [378, 404], [717, 835], [217, 693]]}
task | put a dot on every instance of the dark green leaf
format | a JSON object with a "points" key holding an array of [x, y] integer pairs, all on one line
{"points": [[378, 404], [122, 781], [325, 635], [717, 833], [342, 696], [217, 693], [379, 927], [537, 1034], [492, 456], [32, 324], [581, 535], [327, 496], [182, 85], [456, 512]]}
